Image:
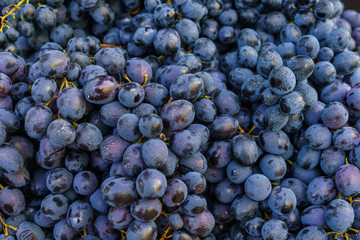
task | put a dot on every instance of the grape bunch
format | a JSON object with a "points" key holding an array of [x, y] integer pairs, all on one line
{"points": [[179, 119]]}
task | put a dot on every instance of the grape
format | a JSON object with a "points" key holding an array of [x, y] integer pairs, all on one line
{"points": [[71, 104], [179, 113], [243, 208], [257, 187], [150, 125], [112, 148], [103, 227], [339, 215], [154, 153], [151, 183], [146, 209], [79, 215], [110, 59], [11, 159], [53, 63], [314, 216], [273, 166], [182, 148], [54, 206], [120, 217], [59, 180], [12, 201], [88, 136], [137, 229], [321, 190], [244, 149], [132, 160], [274, 229], [85, 183], [118, 192], [193, 205], [219, 154], [61, 133], [299, 188], [238, 173], [312, 232], [100, 90], [282, 200], [131, 94], [346, 179], [29, 229], [128, 127], [200, 224], [175, 194]]}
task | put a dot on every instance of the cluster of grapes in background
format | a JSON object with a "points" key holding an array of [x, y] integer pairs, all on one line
{"points": [[182, 119]]}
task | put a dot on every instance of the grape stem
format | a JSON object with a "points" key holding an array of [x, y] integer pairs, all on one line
{"points": [[11, 12], [6, 226]]}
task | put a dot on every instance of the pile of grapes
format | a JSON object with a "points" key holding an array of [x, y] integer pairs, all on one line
{"points": [[179, 119]]}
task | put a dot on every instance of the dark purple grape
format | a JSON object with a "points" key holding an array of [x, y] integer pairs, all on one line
{"points": [[177, 115], [59, 180], [151, 184], [154, 153], [175, 194], [282, 200], [71, 104], [200, 224], [137, 229], [101, 90], [257, 187], [182, 148], [118, 192], [223, 127], [120, 217], [146, 209], [321, 190], [29, 229], [339, 215], [243, 208], [54, 64], [12, 201], [112, 148], [195, 182], [54, 206], [244, 149], [80, 215], [11, 161], [346, 138], [314, 216], [226, 191]]}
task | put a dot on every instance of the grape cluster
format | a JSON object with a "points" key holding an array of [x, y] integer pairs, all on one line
{"points": [[180, 119]]}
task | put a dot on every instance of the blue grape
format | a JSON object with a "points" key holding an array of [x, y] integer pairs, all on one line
{"points": [[257, 187], [321, 190], [118, 191], [151, 183], [54, 206], [79, 215], [282, 200], [339, 215], [120, 217]]}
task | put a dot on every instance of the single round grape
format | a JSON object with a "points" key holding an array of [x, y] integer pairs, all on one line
{"points": [[282, 200], [339, 215], [257, 187], [175, 194], [146, 209], [54, 206], [80, 215], [118, 191], [151, 183], [120, 217]]}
